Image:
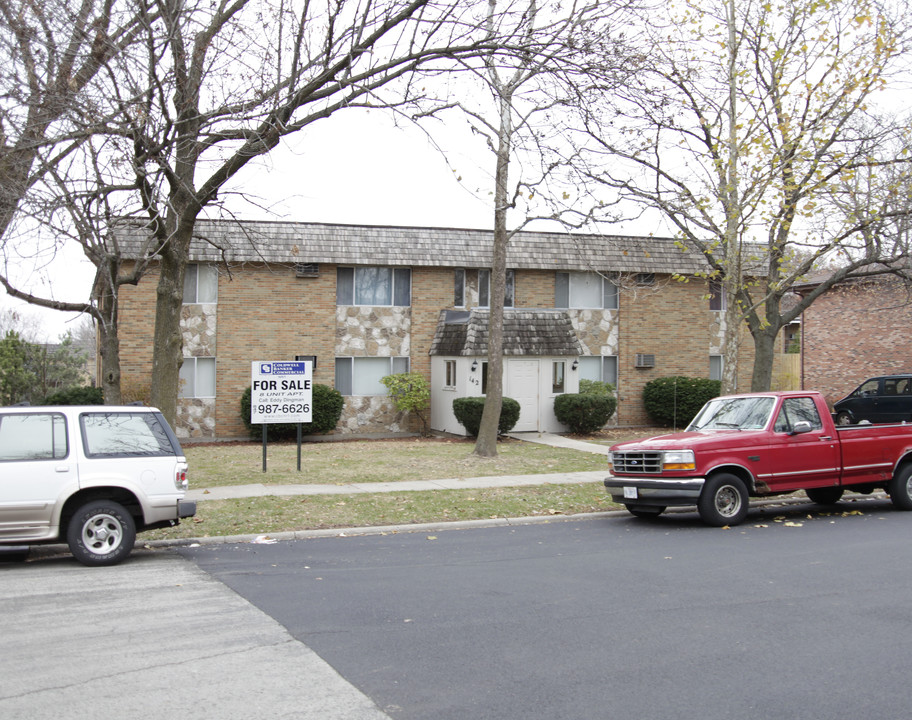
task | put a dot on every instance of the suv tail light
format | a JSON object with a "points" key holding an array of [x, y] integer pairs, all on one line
{"points": [[180, 479]]}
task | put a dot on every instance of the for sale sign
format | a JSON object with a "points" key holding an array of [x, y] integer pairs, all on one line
{"points": [[281, 391]]}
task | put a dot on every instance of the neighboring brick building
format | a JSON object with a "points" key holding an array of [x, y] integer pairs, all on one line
{"points": [[368, 301], [854, 331]]}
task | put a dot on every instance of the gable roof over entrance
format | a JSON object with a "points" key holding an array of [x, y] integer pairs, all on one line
{"points": [[538, 333]]}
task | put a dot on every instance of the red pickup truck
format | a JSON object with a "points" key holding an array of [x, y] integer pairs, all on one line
{"points": [[756, 445]]}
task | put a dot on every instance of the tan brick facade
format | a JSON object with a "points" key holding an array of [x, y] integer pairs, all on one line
{"points": [[266, 312]]}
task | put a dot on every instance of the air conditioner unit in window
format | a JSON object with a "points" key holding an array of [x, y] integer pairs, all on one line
{"points": [[307, 270], [645, 361]]}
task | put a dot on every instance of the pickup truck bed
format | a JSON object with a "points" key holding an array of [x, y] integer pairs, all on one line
{"points": [[760, 444]]}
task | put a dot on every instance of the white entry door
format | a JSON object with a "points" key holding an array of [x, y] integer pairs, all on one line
{"points": [[521, 382]]}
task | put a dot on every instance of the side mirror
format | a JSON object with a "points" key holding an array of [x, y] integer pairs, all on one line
{"points": [[801, 427]]}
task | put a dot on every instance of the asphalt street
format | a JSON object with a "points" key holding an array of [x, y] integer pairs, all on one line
{"points": [[795, 614]]}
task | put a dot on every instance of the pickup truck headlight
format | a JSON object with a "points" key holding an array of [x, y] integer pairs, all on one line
{"points": [[678, 460]]}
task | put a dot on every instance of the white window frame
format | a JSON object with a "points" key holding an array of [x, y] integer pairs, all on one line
{"points": [[199, 377], [716, 296], [607, 368], [347, 380], [347, 287], [484, 289], [716, 365], [449, 382], [195, 272], [459, 288], [566, 297]]}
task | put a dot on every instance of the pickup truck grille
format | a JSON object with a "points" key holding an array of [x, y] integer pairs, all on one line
{"points": [[638, 462]]}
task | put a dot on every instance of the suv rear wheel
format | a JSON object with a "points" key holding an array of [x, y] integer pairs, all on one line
{"points": [[101, 532]]}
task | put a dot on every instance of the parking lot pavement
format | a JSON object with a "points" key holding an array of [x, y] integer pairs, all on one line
{"points": [[157, 637]]}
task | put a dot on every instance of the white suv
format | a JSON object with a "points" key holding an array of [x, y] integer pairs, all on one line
{"points": [[92, 475]]}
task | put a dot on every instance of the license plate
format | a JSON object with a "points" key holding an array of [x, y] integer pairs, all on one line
{"points": [[630, 493]]}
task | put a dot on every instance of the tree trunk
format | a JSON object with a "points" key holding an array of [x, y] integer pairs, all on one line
{"points": [[167, 356], [764, 357], [109, 348]]}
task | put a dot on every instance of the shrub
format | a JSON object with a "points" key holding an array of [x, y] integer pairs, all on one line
{"points": [[76, 396], [675, 401], [584, 413], [596, 387], [468, 412], [410, 392], [326, 409]]}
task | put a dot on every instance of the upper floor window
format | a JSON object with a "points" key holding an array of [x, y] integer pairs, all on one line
{"points": [[484, 289], [200, 284], [374, 286], [585, 290], [716, 296], [459, 288]]}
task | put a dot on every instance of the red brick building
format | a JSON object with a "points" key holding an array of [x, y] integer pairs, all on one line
{"points": [[368, 301], [854, 331]]}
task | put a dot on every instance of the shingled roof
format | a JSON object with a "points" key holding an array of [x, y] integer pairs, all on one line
{"points": [[539, 333], [289, 242]]}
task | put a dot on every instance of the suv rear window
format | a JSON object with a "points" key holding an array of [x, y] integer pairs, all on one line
{"points": [[32, 436], [124, 435]]}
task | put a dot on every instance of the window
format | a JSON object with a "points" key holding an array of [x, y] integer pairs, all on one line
{"points": [[375, 286], [646, 279], [484, 289], [584, 291], [200, 284], [558, 368], [38, 436], [197, 376], [361, 375], [602, 369], [715, 367], [795, 410], [124, 435], [450, 374], [459, 288], [716, 296]]}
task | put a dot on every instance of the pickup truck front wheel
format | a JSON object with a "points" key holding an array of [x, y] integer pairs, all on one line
{"points": [[723, 500], [900, 488], [101, 532]]}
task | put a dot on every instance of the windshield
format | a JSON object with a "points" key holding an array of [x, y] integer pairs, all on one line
{"points": [[734, 413]]}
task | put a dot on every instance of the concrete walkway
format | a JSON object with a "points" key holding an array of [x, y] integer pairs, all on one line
{"points": [[261, 489]]}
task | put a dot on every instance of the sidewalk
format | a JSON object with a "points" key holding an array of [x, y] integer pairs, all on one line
{"points": [[260, 489]]}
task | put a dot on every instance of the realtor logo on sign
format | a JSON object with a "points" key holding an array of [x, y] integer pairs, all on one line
{"points": [[281, 391]]}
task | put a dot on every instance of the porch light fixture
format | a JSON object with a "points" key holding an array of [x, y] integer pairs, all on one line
{"points": [[575, 365], [474, 365]]}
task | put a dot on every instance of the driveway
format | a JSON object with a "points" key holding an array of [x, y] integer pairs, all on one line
{"points": [[154, 637]]}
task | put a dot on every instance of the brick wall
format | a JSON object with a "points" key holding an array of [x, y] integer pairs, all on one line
{"points": [[266, 313], [855, 332]]}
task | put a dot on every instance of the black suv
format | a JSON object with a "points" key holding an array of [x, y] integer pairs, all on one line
{"points": [[878, 400]]}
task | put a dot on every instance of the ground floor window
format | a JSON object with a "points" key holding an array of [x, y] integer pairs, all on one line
{"points": [[715, 367], [557, 376], [197, 377], [450, 374], [361, 375], [602, 368]]}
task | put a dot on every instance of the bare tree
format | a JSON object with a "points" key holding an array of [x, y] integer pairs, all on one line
{"points": [[751, 153], [519, 112]]}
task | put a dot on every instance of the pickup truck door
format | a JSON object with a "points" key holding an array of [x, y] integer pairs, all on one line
{"points": [[804, 460], [36, 465]]}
